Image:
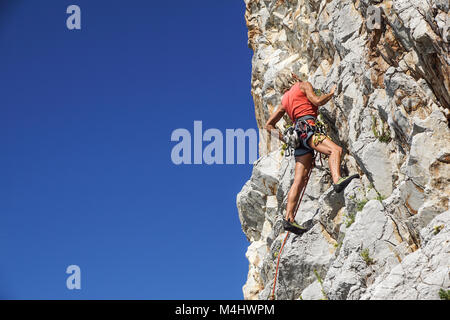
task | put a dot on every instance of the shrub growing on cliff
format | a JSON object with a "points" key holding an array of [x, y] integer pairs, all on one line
{"points": [[360, 204], [366, 257], [438, 229], [384, 136], [319, 279], [444, 294], [350, 219]]}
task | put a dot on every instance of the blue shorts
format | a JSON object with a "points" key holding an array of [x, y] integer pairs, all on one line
{"points": [[304, 147]]}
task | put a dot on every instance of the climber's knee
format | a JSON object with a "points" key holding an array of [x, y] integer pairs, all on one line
{"points": [[304, 177], [336, 150]]}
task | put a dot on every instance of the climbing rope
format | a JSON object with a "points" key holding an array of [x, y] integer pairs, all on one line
{"points": [[272, 297], [320, 134]]}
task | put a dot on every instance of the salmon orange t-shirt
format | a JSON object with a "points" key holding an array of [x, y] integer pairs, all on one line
{"points": [[297, 104]]}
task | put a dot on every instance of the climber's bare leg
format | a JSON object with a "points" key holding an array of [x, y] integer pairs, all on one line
{"points": [[334, 153], [302, 167]]}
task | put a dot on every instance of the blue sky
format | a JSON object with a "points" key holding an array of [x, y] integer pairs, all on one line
{"points": [[85, 123]]}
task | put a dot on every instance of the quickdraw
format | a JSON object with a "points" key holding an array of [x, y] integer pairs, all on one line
{"points": [[320, 133]]}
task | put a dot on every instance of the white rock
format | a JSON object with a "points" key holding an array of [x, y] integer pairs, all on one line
{"points": [[397, 247]]}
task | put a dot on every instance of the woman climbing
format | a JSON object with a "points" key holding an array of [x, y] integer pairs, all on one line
{"points": [[301, 104]]}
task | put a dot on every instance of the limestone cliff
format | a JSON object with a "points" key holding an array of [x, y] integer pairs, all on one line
{"points": [[388, 235]]}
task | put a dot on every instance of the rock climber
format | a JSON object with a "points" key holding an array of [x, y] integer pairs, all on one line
{"points": [[301, 104]]}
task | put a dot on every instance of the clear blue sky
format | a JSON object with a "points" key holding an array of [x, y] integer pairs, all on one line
{"points": [[85, 124]]}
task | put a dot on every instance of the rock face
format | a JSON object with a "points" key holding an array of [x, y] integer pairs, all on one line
{"points": [[387, 236]]}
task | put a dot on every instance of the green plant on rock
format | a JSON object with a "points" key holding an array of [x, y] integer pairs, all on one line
{"points": [[438, 229], [379, 196], [318, 92], [360, 204], [337, 245], [385, 134], [385, 137], [444, 294], [350, 218], [366, 257], [319, 279], [374, 127]]}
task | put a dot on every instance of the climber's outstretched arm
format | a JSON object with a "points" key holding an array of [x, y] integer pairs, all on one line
{"points": [[316, 100], [274, 118]]}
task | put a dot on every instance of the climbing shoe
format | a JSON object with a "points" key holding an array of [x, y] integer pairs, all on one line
{"points": [[294, 227], [343, 182]]}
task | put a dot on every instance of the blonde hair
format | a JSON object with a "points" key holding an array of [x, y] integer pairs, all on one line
{"points": [[284, 80]]}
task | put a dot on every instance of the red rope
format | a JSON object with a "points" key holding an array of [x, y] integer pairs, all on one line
{"points": [[287, 234]]}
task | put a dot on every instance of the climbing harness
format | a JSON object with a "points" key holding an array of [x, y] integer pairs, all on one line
{"points": [[272, 297], [294, 135]]}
